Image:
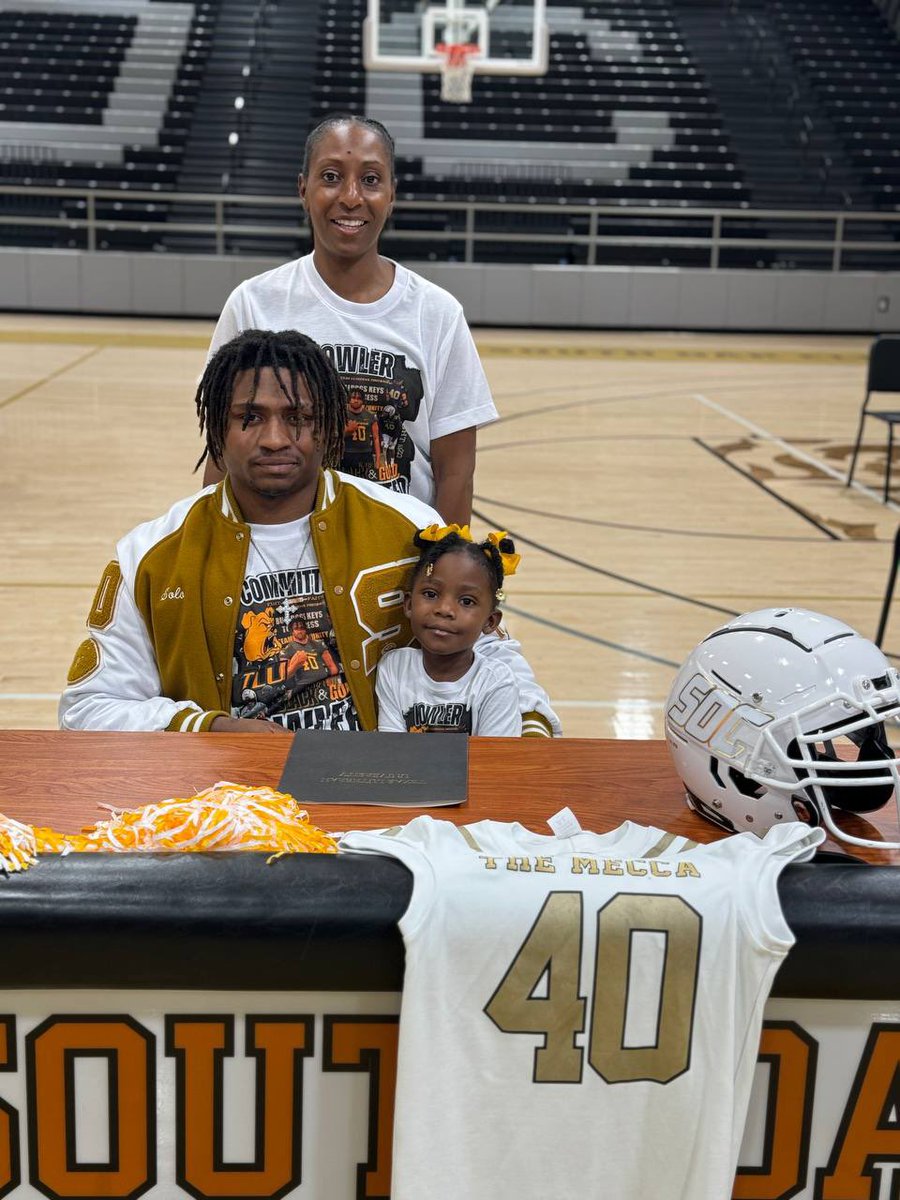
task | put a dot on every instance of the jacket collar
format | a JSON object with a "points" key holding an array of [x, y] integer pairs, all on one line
{"points": [[326, 493]]}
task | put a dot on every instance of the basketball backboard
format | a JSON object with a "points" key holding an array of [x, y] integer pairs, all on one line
{"points": [[410, 35]]}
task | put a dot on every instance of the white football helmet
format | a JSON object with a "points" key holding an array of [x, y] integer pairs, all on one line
{"points": [[780, 716]]}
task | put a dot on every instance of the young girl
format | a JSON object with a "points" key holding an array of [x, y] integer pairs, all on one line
{"points": [[445, 686]]}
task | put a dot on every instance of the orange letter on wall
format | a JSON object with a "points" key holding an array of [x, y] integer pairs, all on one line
{"points": [[791, 1054], [199, 1044], [10, 1176], [865, 1135], [51, 1050]]}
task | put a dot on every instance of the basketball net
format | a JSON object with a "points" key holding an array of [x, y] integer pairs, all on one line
{"points": [[457, 71]]}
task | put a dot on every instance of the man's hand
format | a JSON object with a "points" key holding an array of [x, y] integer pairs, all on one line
{"points": [[245, 725]]}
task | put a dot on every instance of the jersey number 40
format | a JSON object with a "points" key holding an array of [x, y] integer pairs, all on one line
{"points": [[660, 999]]}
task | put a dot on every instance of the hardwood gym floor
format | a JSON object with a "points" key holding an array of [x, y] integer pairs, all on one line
{"points": [[655, 483]]}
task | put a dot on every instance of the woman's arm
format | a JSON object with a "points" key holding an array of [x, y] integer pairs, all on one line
{"points": [[453, 464]]}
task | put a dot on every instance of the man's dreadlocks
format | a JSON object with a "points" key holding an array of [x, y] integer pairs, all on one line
{"points": [[255, 350]]}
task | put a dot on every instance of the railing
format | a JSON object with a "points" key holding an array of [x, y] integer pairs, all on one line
{"points": [[717, 228]]}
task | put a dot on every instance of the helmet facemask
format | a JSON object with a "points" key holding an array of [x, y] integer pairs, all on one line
{"points": [[799, 706]]}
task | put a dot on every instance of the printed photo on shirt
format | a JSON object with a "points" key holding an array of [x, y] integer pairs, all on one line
{"points": [[287, 666], [384, 393]]}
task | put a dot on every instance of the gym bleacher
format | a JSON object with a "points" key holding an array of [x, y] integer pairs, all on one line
{"points": [[96, 96], [214, 98], [850, 57]]}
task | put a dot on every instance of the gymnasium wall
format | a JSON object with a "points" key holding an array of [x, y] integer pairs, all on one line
{"points": [[174, 285]]}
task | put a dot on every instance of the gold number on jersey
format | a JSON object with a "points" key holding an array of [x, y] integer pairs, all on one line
{"points": [[553, 948], [617, 921]]}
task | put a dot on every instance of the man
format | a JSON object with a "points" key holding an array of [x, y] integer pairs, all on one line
{"points": [[193, 627], [362, 439]]}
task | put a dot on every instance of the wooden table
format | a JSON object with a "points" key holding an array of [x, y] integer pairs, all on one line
{"points": [[159, 951], [60, 778]]}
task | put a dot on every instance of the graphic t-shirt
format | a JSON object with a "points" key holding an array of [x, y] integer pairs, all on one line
{"points": [[409, 356], [286, 661], [484, 701], [580, 1015]]}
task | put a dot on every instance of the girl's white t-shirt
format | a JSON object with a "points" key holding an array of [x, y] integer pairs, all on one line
{"points": [[485, 701]]}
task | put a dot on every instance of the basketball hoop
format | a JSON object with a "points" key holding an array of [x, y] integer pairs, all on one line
{"points": [[457, 70]]}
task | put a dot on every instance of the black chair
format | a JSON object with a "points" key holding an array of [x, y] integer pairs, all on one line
{"points": [[888, 592], [883, 376]]}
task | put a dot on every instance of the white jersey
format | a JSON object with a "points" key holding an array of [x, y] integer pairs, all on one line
{"points": [[485, 701], [580, 1015], [409, 357]]}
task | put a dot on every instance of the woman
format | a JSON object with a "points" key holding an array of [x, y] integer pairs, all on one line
{"points": [[398, 341]]}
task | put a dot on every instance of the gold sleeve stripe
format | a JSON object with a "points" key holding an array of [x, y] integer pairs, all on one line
{"points": [[689, 845], [467, 837], [103, 608], [534, 725], [661, 846], [189, 720], [393, 831], [85, 662]]}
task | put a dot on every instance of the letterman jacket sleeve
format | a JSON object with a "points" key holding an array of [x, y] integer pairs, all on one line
{"points": [[114, 683], [538, 718]]}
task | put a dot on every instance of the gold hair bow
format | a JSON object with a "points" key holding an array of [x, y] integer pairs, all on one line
{"points": [[436, 533], [509, 558]]}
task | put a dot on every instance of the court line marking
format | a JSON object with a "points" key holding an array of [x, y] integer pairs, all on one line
{"points": [[633, 702], [789, 504], [578, 562], [669, 353], [488, 349], [672, 532], [610, 394], [791, 448], [105, 341], [589, 637], [47, 378]]}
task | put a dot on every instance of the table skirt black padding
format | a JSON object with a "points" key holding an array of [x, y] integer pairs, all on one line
{"points": [[324, 922], [224, 921]]}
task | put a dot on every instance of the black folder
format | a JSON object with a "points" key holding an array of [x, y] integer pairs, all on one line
{"points": [[404, 770]]}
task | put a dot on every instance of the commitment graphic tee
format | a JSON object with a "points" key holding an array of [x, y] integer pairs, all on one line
{"points": [[286, 661], [407, 360], [484, 701], [580, 1015]]}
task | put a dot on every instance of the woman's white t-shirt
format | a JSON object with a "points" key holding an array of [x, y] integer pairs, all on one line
{"points": [[408, 356]]}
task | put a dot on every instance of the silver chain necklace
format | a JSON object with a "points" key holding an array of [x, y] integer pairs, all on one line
{"points": [[273, 570]]}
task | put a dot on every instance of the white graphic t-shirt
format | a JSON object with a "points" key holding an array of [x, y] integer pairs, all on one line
{"points": [[580, 1015], [408, 362], [286, 661], [484, 701]]}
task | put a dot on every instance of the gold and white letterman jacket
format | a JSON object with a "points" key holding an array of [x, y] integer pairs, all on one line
{"points": [[161, 629]]}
